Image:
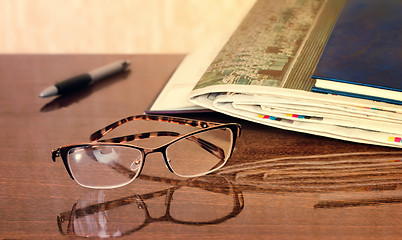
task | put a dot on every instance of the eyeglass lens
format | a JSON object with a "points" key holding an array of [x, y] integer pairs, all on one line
{"points": [[104, 166], [200, 153]]}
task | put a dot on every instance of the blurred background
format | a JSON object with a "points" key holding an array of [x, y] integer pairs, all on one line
{"points": [[115, 26]]}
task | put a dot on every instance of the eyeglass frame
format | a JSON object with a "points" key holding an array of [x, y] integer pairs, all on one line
{"points": [[117, 141]]}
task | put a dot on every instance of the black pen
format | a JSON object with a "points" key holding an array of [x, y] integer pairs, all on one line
{"points": [[83, 80]]}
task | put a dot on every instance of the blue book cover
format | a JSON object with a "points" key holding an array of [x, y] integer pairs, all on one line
{"points": [[364, 50], [355, 95]]}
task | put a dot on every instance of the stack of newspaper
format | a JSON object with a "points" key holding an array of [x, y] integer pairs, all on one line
{"points": [[263, 74]]}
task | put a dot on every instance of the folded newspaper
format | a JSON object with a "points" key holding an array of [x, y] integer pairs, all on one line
{"points": [[263, 74]]}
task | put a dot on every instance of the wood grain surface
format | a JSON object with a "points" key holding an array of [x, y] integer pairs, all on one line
{"points": [[277, 185]]}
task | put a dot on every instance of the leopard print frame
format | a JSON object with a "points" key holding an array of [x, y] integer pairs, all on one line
{"points": [[183, 121]]}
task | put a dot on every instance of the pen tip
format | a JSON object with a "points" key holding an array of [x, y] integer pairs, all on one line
{"points": [[48, 92]]}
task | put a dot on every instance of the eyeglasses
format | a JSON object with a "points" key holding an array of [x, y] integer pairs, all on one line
{"points": [[107, 214], [112, 163]]}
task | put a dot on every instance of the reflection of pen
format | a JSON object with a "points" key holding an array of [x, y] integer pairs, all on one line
{"points": [[83, 80]]}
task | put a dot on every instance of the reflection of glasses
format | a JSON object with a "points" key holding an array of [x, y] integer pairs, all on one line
{"points": [[110, 163], [207, 200]]}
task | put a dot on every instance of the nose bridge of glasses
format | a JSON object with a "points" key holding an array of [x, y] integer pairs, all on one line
{"points": [[160, 150]]}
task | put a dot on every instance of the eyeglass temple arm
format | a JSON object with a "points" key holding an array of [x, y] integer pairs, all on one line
{"points": [[209, 147], [138, 136], [183, 121]]}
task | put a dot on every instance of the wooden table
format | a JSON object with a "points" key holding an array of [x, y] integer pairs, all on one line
{"points": [[277, 185]]}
